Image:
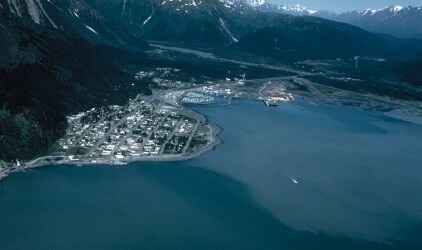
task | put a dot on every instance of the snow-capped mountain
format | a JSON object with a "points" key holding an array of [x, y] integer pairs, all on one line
{"points": [[383, 13], [255, 3], [296, 10], [399, 21], [263, 5], [394, 20], [209, 21], [389, 11]]}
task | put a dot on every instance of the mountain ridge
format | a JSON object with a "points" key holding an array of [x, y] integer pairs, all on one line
{"points": [[71, 16], [397, 20], [47, 72]]}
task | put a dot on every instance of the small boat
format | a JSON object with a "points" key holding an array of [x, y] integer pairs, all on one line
{"points": [[293, 179]]}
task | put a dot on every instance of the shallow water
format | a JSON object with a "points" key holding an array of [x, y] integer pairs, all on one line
{"points": [[358, 186]]}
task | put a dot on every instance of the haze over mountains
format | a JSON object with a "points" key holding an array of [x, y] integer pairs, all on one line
{"points": [[401, 21]]}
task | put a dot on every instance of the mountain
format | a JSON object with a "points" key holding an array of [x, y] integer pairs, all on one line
{"points": [[203, 21], [52, 64], [394, 20], [398, 21], [312, 38], [197, 21], [70, 16], [296, 10], [263, 5]]}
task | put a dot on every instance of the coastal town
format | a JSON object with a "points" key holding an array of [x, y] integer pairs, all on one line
{"points": [[148, 128], [159, 127]]}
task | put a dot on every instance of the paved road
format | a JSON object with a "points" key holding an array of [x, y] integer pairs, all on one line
{"points": [[47, 160], [153, 131], [102, 139], [307, 83], [190, 137], [175, 129], [211, 56]]}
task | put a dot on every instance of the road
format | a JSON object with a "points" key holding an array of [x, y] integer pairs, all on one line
{"points": [[83, 159], [175, 129], [190, 137], [307, 83], [102, 139], [211, 56]]}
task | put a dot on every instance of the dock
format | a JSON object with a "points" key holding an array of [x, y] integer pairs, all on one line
{"points": [[270, 102]]}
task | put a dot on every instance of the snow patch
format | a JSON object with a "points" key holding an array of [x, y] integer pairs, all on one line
{"points": [[33, 11], [124, 7], [146, 20], [367, 11], [149, 17], [45, 13], [393, 9], [15, 7], [256, 3], [297, 9], [91, 29], [397, 8], [223, 25]]}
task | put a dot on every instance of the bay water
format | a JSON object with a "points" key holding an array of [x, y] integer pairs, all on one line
{"points": [[296, 176]]}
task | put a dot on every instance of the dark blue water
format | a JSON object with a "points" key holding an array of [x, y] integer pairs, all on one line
{"points": [[358, 177]]}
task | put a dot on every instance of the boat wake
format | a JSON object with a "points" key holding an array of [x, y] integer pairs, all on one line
{"points": [[292, 179]]}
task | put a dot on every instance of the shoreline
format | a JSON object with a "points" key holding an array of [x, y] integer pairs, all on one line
{"points": [[217, 141], [401, 114], [405, 115], [215, 132]]}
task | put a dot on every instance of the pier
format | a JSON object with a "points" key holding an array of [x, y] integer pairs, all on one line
{"points": [[270, 102], [226, 104]]}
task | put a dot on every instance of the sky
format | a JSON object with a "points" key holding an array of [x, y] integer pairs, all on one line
{"points": [[345, 5]]}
